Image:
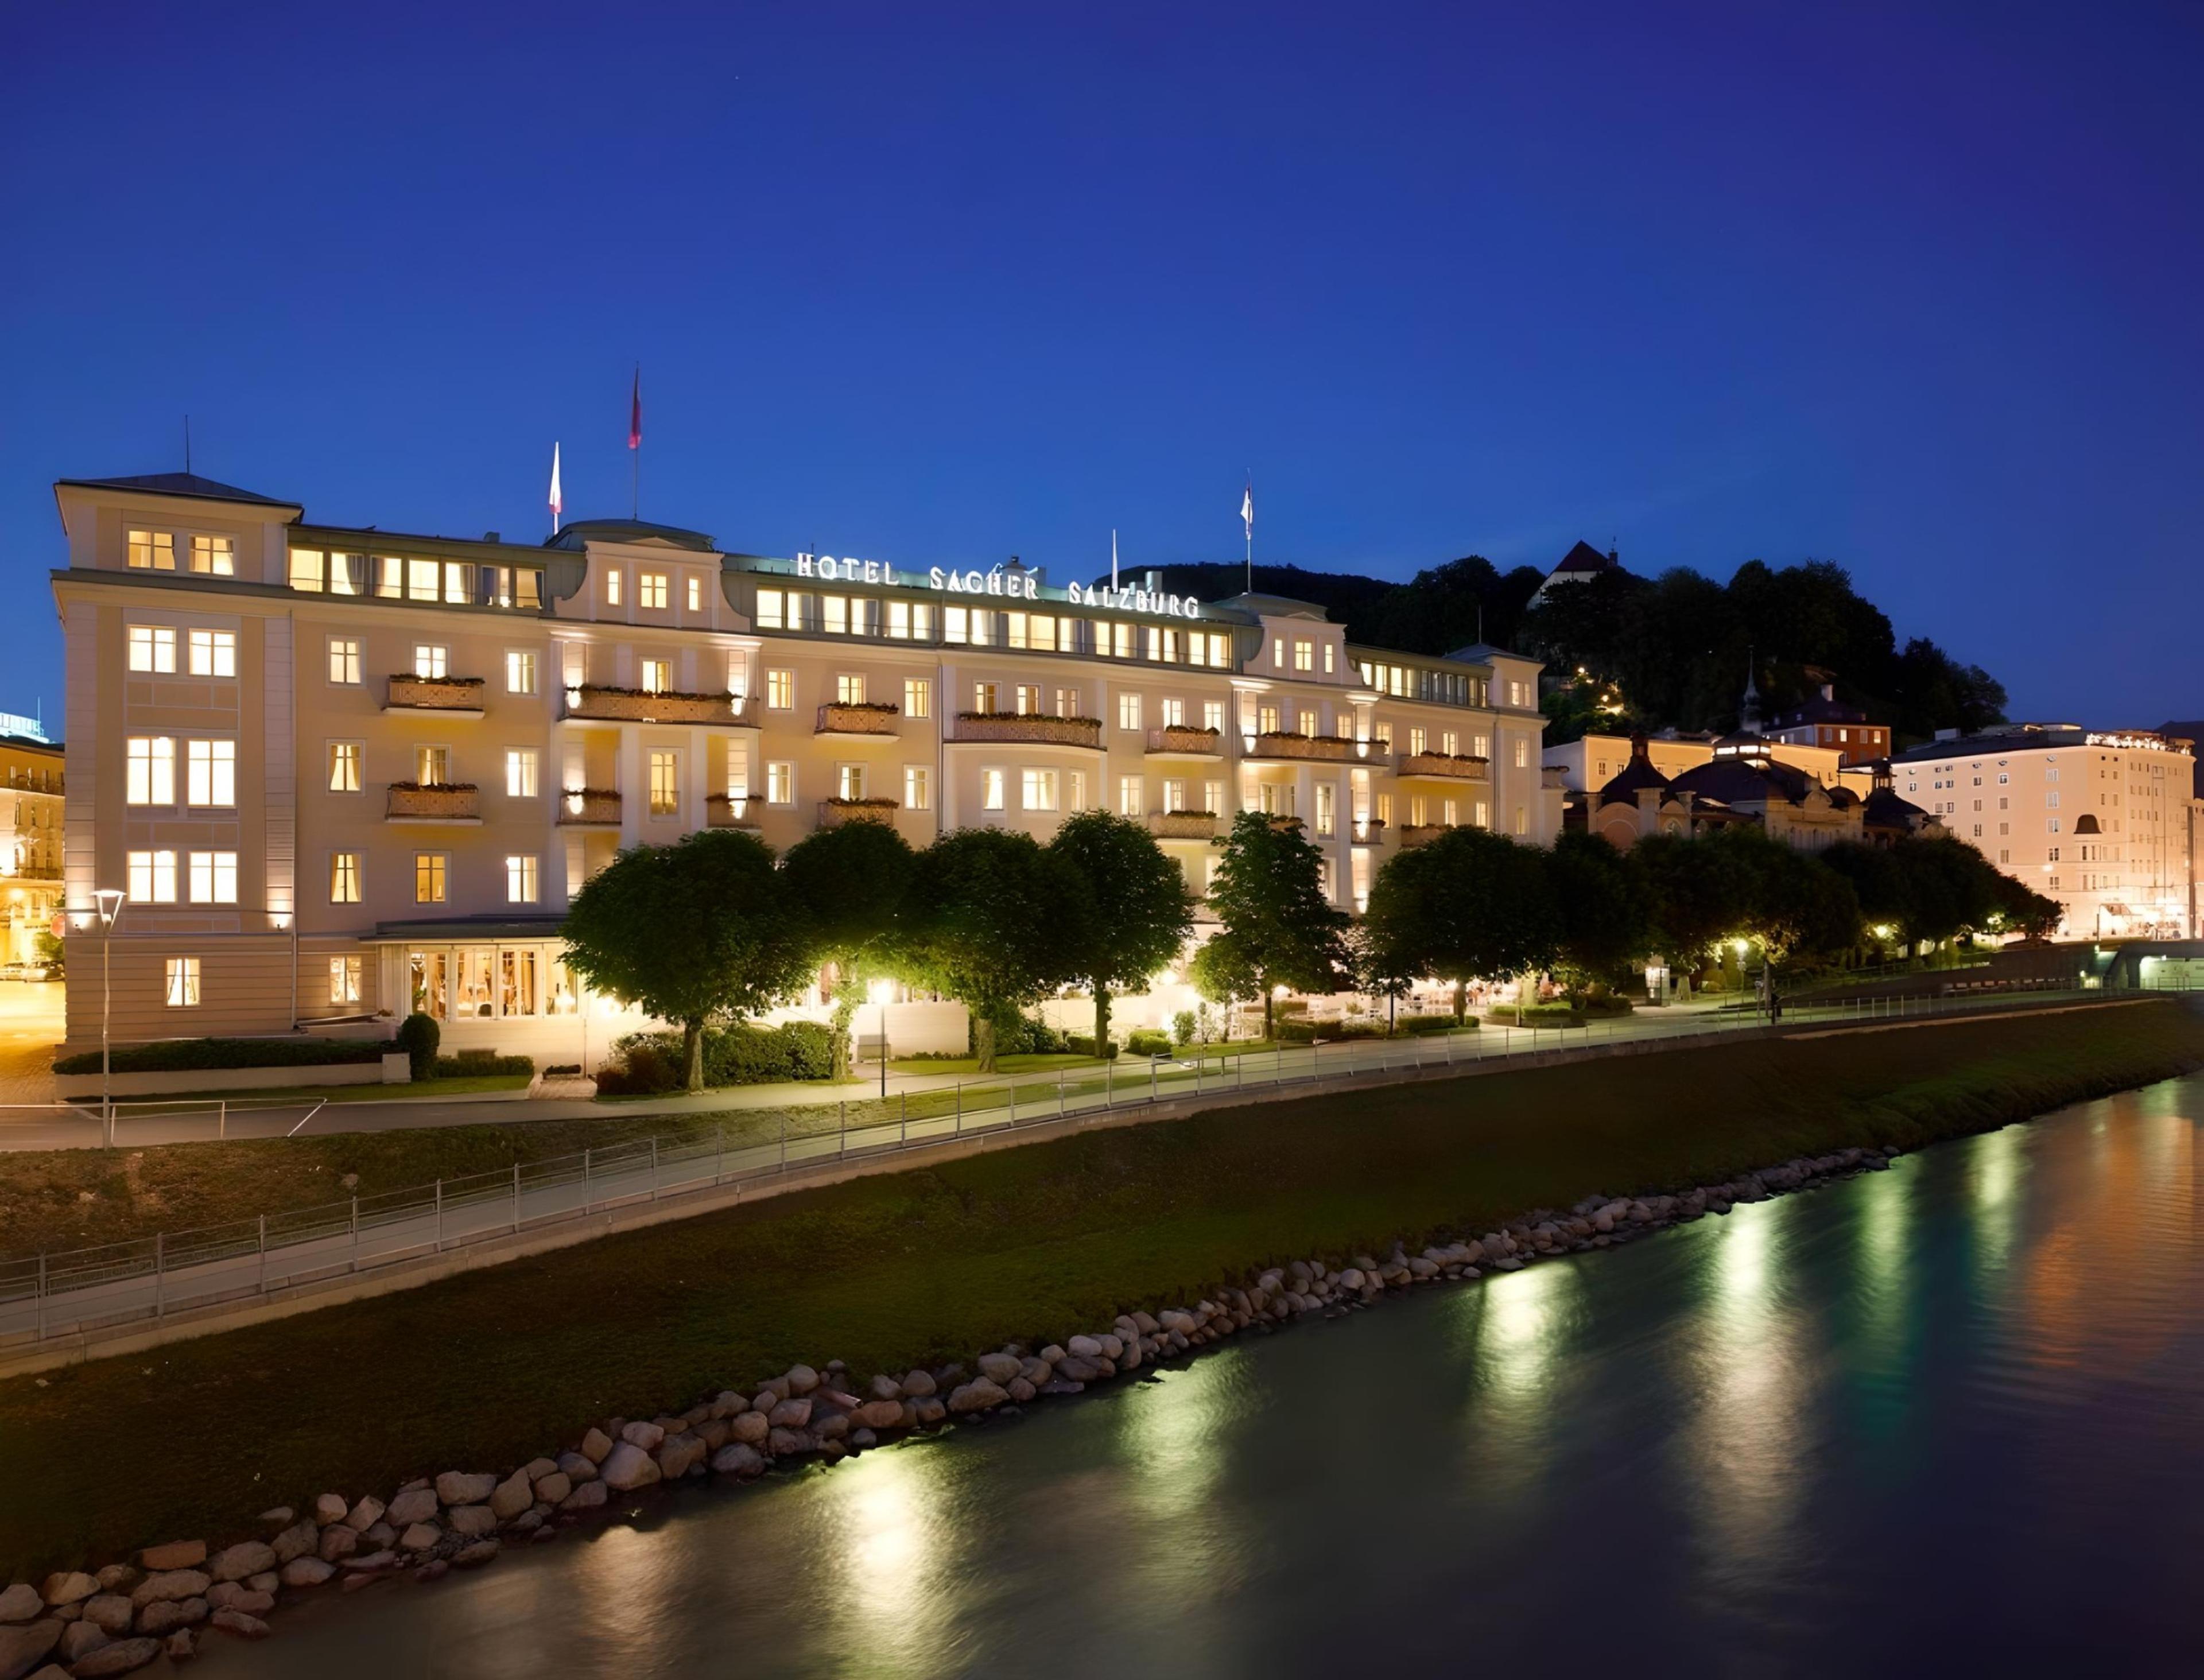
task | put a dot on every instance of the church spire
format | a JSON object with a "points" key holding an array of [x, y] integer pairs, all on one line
{"points": [[1748, 712]]}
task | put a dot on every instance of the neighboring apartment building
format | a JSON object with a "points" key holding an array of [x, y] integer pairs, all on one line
{"points": [[342, 772], [2100, 820], [1832, 725], [31, 791]]}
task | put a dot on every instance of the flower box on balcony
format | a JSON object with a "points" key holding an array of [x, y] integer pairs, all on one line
{"points": [[1182, 825], [1420, 834], [1369, 831], [1453, 767], [869, 717], [587, 808], [452, 696], [593, 702], [1285, 744], [1037, 727], [1177, 738], [726, 811], [833, 812], [433, 803]]}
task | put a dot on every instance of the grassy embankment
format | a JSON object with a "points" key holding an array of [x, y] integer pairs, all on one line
{"points": [[487, 1368]]}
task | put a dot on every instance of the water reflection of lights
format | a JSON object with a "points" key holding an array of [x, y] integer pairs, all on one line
{"points": [[1176, 1434], [1995, 1161], [1886, 1216], [892, 1549], [1518, 1327]]}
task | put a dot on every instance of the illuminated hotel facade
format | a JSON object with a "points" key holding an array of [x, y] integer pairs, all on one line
{"points": [[342, 774]]}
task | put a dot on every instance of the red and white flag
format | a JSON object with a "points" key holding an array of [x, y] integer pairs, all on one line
{"points": [[635, 414], [557, 500]]}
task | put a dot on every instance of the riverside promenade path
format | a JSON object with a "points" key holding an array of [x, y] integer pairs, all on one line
{"points": [[55, 1307]]}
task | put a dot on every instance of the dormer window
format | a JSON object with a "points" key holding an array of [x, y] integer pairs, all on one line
{"points": [[152, 551], [696, 595], [216, 556], [611, 589], [650, 591]]}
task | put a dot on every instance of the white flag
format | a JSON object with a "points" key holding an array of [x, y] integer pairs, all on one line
{"points": [[558, 502], [1247, 509], [1113, 560]]}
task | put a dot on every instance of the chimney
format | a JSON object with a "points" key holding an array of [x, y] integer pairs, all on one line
{"points": [[1155, 584], [1828, 691]]}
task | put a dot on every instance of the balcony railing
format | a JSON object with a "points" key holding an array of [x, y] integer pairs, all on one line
{"points": [[1036, 727], [1281, 744], [870, 718], [447, 696], [1178, 740], [433, 803], [1451, 766], [1422, 834], [724, 811], [589, 807], [1182, 825], [594, 703], [25, 781], [1367, 831], [833, 812]]}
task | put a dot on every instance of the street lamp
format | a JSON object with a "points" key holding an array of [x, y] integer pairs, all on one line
{"points": [[108, 901], [882, 990]]}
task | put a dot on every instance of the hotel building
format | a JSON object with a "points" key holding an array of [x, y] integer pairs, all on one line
{"points": [[342, 773], [30, 788], [2099, 820]]}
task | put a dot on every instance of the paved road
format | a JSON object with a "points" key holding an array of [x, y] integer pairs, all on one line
{"points": [[131, 1281]]}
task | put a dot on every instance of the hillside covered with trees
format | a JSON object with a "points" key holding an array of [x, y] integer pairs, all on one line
{"points": [[1655, 652]]}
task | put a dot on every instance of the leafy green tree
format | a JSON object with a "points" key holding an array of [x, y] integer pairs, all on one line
{"points": [[1696, 897], [1140, 913], [1383, 968], [993, 921], [852, 880], [1603, 907], [1471, 905], [693, 933], [1278, 927], [1878, 885]]}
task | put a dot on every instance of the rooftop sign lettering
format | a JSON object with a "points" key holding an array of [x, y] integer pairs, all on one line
{"points": [[1018, 585]]}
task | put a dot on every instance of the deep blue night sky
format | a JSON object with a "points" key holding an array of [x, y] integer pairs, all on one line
{"points": [[1914, 289]]}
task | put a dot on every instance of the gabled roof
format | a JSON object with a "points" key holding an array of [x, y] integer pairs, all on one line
{"points": [[1817, 710], [176, 484], [1584, 559], [1621, 788], [579, 532]]}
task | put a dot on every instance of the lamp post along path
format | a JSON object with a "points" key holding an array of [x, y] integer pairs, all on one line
{"points": [[109, 902]]}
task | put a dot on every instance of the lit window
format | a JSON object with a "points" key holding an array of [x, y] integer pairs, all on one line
{"points": [[181, 982], [306, 569], [771, 609], [1522, 756], [520, 884], [917, 697], [991, 789], [210, 772], [665, 782], [850, 688], [431, 661], [1130, 801], [651, 591], [849, 781], [1326, 801], [1522, 820], [1212, 714], [611, 589], [956, 624], [153, 648], [1174, 714], [984, 698], [214, 653], [1450, 744], [216, 556], [429, 877], [344, 878], [520, 773], [834, 614], [1128, 710], [214, 878], [152, 877], [1303, 656], [1028, 700], [917, 795], [1039, 790], [1278, 652], [432, 766], [519, 671], [1174, 794], [657, 677], [696, 595], [780, 783], [1415, 741], [153, 551], [344, 765], [345, 975], [344, 658], [1327, 659], [780, 690]]}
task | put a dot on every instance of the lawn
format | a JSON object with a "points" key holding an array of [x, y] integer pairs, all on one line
{"points": [[486, 1369], [413, 1091]]}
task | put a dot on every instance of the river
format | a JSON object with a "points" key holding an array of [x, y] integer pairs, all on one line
{"points": [[1939, 1418]]}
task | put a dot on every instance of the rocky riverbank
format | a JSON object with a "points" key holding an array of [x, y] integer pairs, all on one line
{"points": [[126, 1614]]}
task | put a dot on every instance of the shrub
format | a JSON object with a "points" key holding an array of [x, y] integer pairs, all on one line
{"points": [[647, 1064], [1183, 1027], [1601, 1004], [1015, 1035], [189, 1055], [1433, 1023], [1535, 1014], [418, 1036], [1293, 1031], [1148, 1042], [472, 1064], [1079, 1045]]}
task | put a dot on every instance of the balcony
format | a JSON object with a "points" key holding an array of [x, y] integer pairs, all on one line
{"points": [[833, 812], [591, 703], [589, 807], [1445, 766], [1422, 834], [1283, 744], [1033, 727], [724, 811], [1182, 825], [434, 696], [433, 803], [870, 720], [1177, 741], [1368, 831]]}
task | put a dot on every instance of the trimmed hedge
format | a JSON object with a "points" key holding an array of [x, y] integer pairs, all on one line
{"points": [[470, 1064], [651, 1062], [1148, 1042], [174, 1056]]}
